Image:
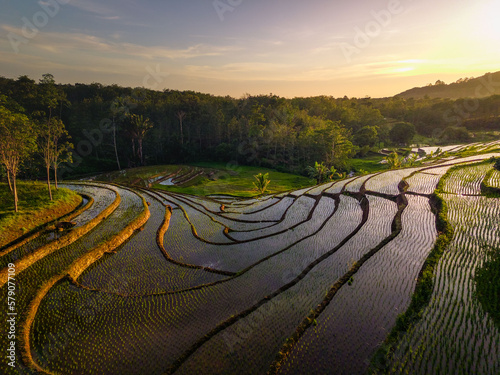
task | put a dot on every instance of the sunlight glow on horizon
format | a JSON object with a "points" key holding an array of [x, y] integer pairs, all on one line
{"points": [[291, 49], [487, 20]]}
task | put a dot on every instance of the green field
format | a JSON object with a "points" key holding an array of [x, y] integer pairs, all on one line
{"points": [[370, 164], [216, 178]]}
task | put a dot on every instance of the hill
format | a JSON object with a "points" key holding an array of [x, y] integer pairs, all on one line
{"points": [[480, 87]]}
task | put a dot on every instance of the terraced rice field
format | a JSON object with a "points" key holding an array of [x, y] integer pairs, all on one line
{"points": [[455, 334], [303, 282]]}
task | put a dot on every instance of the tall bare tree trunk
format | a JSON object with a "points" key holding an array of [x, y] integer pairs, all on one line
{"points": [[48, 181], [182, 135], [114, 143], [180, 116], [133, 148], [48, 156], [139, 142], [333, 155], [15, 192], [55, 176], [8, 179]]}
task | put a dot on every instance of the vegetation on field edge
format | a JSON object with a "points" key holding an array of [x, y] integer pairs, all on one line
{"points": [[35, 209], [486, 188], [72, 273], [41, 252], [487, 280], [423, 291], [425, 282]]}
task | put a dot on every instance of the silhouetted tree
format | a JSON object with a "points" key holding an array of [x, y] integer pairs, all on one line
{"points": [[139, 127]]}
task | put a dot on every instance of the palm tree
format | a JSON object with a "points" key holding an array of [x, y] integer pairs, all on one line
{"points": [[262, 182], [393, 160], [320, 172], [119, 110], [139, 127], [181, 115]]}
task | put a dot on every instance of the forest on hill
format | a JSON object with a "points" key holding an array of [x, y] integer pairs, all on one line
{"points": [[113, 127], [468, 87]]}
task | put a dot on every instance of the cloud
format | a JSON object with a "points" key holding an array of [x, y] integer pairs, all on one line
{"points": [[113, 10], [78, 57], [92, 7], [110, 18], [79, 43], [243, 71]]}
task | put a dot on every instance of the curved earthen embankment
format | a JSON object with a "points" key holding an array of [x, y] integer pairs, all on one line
{"points": [[36, 233], [72, 273], [40, 253]]}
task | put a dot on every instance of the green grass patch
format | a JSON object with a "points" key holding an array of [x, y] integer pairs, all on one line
{"points": [[370, 164], [132, 175], [35, 208], [473, 150], [236, 181], [217, 178], [486, 190], [491, 178]]}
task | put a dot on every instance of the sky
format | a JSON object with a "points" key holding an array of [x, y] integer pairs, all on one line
{"points": [[288, 48]]}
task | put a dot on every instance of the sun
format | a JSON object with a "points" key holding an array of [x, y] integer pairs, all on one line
{"points": [[486, 25], [469, 41]]}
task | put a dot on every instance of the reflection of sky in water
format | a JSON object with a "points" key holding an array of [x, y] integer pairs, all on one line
{"points": [[153, 180], [167, 182]]}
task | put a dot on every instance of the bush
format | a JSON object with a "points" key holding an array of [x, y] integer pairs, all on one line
{"points": [[497, 164], [402, 133], [455, 134], [487, 279], [261, 183], [363, 151]]}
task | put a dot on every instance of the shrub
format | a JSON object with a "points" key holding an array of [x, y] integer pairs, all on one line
{"points": [[497, 164], [262, 182]]}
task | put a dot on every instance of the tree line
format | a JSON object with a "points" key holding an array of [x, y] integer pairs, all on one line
{"points": [[41, 136], [114, 127]]}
